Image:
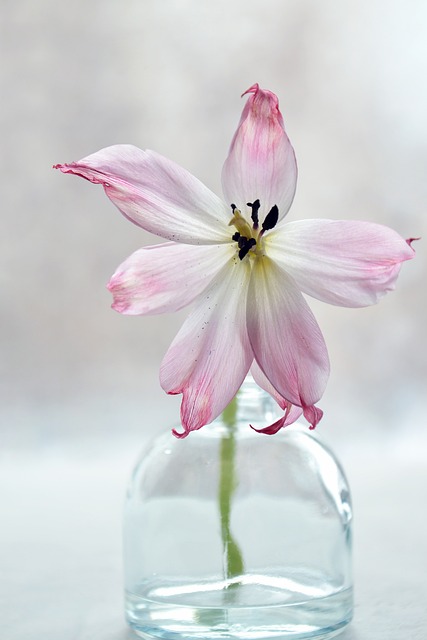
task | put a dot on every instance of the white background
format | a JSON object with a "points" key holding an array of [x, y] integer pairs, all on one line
{"points": [[79, 388]]}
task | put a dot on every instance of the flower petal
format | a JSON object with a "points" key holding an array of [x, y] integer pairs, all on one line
{"points": [[261, 162], [282, 422], [165, 277], [347, 263], [292, 412], [210, 357], [285, 338], [156, 194]]}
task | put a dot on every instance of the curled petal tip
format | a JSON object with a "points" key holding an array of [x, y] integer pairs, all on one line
{"points": [[253, 89], [409, 242], [62, 167], [265, 100], [180, 435], [65, 168], [272, 428], [313, 415], [292, 413]]}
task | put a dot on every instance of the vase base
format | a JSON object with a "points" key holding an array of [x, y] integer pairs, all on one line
{"points": [[244, 611]]}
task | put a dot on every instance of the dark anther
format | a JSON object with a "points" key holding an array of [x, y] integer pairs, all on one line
{"points": [[271, 218], [247, 247], [242, 241], [233, 206], [254, 215]]}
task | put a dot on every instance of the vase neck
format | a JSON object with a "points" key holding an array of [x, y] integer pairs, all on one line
{"points": [[254, 405]]}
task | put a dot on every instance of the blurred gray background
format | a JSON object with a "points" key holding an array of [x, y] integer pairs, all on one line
{"points": [[79, 382], [167, 75]]}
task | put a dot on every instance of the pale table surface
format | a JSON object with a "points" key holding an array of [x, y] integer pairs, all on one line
{"points": [[60, 542]]}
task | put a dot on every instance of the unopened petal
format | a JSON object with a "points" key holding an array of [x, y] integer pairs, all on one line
{"points": [[156, 194], [165, 277], [286, 340], [210, 357], [261, 162], [347, 263]]}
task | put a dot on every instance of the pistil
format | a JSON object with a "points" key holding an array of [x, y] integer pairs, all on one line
{"points": [[240, 222]]}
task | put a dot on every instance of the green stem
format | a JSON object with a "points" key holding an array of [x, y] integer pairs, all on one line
{"points": [[233, 561]]}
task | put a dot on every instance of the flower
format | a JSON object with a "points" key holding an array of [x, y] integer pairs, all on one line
{"points": [[242, 265]]}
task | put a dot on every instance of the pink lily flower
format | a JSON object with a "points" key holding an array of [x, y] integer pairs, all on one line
{"points": [[245, 268]]}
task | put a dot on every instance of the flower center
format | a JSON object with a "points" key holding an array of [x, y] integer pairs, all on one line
{"points": [[248, 237]]}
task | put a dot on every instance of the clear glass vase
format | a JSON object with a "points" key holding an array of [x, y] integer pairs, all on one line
{"points": [[272, 561]]}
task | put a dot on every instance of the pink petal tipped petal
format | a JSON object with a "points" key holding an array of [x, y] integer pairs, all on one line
{"points": [[165, 277], [156, 194], [409, 241], [347, 263], [210, 357], [313, 415], [292, 412], [261, 162], [262, 381], [286, 340], [289, 418]]}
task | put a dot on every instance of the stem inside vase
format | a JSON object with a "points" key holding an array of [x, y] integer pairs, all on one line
{"points": [[233, 560]]}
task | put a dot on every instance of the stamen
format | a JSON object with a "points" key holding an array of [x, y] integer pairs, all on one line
{"points": [[235, 236], [270, 219], [247, 247], [254, 215]]}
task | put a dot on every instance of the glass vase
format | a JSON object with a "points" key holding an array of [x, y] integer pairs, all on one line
{"points": [[234, 534]]}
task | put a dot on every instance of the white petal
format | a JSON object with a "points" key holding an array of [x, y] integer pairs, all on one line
{"points": [[347, 263], [285, 338], [210, 357], [156, 194], [165, 277], [262, 381]]}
